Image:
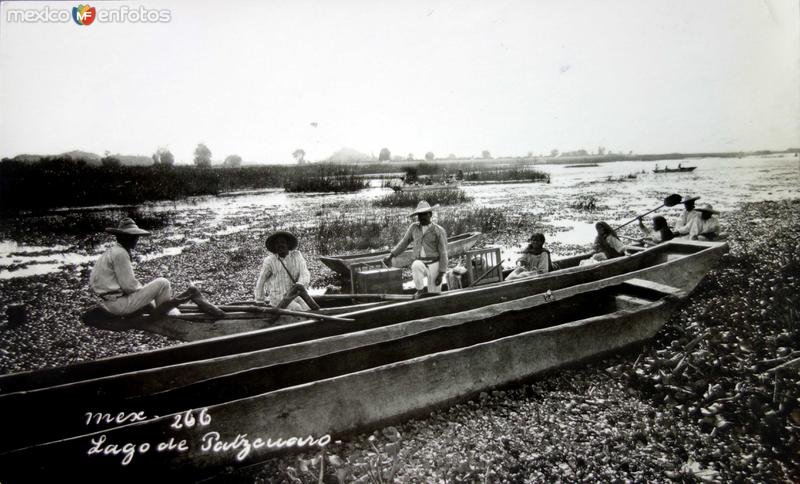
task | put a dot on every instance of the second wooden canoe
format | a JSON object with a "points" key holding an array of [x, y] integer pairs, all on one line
{"points": [[457, 245]]}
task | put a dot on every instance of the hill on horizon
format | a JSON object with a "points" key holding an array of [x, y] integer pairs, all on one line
{"points": [[349, 155]]}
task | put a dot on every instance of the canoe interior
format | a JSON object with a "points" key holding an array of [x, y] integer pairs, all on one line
{"points": [[342, 263], [448, 302], [474, 327]]}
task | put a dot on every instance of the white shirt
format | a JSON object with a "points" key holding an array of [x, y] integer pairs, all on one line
{"points": [[274, 280], [113, 272], [701, 226], [684, 223]]}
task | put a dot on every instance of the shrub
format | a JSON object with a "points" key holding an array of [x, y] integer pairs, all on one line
{"points": [[585, 203], [443, 196]]}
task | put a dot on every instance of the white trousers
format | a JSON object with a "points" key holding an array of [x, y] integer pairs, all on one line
{"points": [[158, 290], [419, 271]]}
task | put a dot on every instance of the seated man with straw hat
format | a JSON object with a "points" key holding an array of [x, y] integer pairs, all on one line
{"points": [[284, 275], [706, 226], [430, 250], [113, 281], [686, 219]]}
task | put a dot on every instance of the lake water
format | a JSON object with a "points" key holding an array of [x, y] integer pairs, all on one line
{"points": [[722, 182]]}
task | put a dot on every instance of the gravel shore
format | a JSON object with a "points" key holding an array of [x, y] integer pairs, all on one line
{"points": [[631, 417]]}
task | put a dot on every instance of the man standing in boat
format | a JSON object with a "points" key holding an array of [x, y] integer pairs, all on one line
{"points": [[284, 275], [113, 281], [684, 223], [430, 250]]}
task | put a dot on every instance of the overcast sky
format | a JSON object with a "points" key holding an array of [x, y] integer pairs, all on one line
{"points": [[511, 77]]}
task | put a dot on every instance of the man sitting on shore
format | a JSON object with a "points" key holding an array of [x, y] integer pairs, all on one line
{"points": [[113, 281], [430, 250]]}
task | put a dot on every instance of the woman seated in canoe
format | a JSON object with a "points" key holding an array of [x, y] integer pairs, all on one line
{"points": [[535, 261], [606, 245], [660, 233]]}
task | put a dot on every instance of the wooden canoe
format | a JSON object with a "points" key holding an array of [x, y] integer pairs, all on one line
{"points": [[136, 389], [456, 246], [682, 169], [452, 358], [680, 263]]}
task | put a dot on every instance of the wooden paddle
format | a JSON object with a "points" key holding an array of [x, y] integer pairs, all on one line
{"points": [[237, 311], [670, 201]]}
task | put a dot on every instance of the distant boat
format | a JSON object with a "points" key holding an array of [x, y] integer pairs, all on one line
{"points": [[680, 169], [426, 187], [583, 165]]}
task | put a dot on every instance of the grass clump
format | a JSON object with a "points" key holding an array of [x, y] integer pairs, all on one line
{"points": [[585, 203], [443, 196], [512, 174]]}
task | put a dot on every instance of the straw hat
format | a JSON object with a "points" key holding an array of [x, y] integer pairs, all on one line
{"points": [[690, 199], [706, 208], [127, 227], [270, 242], [423, 207]]}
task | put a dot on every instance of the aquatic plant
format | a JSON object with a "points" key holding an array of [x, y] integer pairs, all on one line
{"points": [[585, 202], [443, 196], [512, 174]]}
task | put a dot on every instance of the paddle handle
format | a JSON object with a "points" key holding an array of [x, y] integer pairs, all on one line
{"points": [[305, 314], [639, 216]]}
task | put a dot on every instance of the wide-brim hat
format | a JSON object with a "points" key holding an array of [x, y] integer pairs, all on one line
{"points": [[690, 199], [270, 242], [127, 227], [423, 207], [706, 208]]}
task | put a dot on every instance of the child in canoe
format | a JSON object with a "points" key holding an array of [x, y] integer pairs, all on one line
{"points": [[535, 261], [660, 232]]}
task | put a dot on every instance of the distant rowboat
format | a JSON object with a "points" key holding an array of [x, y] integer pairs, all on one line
{"points": [[681, 169]]}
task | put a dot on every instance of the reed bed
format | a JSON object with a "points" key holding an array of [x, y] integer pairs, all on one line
{"points": [[443, 196], [323, 178], [513, 174]]}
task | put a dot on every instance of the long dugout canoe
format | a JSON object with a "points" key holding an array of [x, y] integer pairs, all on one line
{"points": [[456, 246], [678, 263], [357, 389], [302, 362]]}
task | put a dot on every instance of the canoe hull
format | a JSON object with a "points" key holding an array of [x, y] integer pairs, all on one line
{"points": [[357, 401]]}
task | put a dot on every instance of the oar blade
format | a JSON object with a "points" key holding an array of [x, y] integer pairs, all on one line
{"points": [[672, 200]]}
